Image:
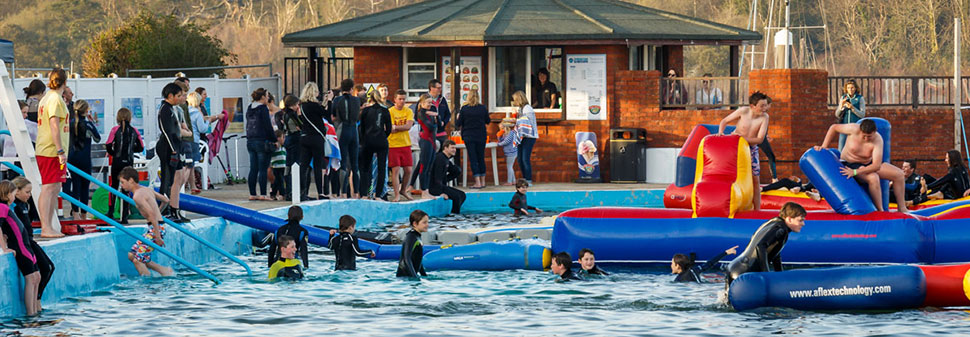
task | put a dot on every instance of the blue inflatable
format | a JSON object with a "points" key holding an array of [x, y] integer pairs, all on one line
{"points": [[269, 223], [506, 255], [858, 288], [640, 235]]}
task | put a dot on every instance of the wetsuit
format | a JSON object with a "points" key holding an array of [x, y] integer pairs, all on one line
{"points": [[789, 184], [913, 184], [412, 252], [595, 271], [18, 239], [346, 249], [766, 245], [443, 171], [299, 234], [953, 184], [693, 273], [286, 268], [26, 213], [519, 202], [568, 275]]}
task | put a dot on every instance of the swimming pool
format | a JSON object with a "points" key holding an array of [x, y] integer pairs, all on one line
{"points": [[371, 301]]}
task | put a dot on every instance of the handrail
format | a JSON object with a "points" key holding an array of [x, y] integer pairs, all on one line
{"points": [[167, 221], [127, 231]]}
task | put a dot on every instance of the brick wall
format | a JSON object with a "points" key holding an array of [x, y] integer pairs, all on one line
{"points": [[378, 65]]}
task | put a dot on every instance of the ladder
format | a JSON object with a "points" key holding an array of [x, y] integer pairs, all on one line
{"points": [[21, 139]]}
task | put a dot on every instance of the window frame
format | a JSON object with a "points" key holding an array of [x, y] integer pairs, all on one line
{"points": [[492, 105], [405, 78]]}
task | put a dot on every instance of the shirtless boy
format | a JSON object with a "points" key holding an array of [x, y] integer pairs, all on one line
{"points": [[141, 254], [862, 157], [753, 127]]}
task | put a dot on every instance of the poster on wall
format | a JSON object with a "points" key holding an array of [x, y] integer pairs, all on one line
{"points": [[586, 87], [233, 107], [134, 105], [471, 75], [97, 111], [588, 157]]}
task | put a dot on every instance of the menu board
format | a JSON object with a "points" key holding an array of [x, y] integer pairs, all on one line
{"points": [[586, 87], [471, 76]]}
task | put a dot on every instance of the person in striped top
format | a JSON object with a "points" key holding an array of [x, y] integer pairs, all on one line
{"points": [[278, 164]]}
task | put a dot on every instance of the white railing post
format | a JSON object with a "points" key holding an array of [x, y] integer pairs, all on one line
{"points": [[295, 187]]}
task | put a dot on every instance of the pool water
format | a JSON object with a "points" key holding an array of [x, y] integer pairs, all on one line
{"points": [[372, 301]]}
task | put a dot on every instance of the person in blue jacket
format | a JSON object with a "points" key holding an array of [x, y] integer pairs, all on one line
{"points": [[687, 271]]}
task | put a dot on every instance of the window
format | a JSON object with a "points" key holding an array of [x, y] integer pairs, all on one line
{"points": [[420, 67], [643, 58], [516, 68]]}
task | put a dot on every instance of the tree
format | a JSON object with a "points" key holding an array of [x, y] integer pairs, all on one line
{"points": [[149, 41]]}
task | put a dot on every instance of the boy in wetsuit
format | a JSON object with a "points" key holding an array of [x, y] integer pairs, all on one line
{"points": [[767, 242], [345, 246], [561, 265], [412, 251], [294, 230], [141, 254], [519, 202], [587, 263], [753, 127], [287, 266], [687, 271], [862, 157]]}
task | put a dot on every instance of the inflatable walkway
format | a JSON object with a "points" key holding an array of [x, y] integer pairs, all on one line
{"points": [[531, 254], [854, 288], [269, 223]]}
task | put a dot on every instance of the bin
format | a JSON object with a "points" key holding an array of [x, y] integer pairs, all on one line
{"points": [[628, 155]]}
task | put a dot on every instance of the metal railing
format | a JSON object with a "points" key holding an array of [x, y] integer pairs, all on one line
{"points": [[265, 65], [912, 91], [327, 72], [125, 230], [702, 92]]}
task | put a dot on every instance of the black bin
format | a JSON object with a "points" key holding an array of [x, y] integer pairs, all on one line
{"points": [[628, 155]]}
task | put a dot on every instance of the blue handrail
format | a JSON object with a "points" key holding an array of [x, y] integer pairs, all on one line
{"points": [[122, 228], [128, 199]]}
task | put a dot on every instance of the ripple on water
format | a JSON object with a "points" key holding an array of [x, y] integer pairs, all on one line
{"points": [[371, 301]]}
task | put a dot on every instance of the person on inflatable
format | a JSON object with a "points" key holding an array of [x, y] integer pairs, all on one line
{"points": [[767, 242], [687, 271], [753, 127], [587, 264], [862, 157], [955, 184], [561, 265]]}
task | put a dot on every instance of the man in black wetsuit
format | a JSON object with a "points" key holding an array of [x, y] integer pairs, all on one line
{"points": [[767, 242], [443, 171], [561, 265], [412, 251], [345, 246]]}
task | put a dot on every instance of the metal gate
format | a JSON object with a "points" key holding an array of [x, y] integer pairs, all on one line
{"points": [[327, 72]]}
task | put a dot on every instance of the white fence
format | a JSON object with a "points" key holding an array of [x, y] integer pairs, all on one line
{"points": [[143, 96]]}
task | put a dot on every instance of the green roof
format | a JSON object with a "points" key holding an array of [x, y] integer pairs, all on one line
{"points": [[508, 22]]}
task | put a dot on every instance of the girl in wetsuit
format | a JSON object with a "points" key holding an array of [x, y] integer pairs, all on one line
{"points": [[955, 183], [18, 241], [24, 208], [412, 251], [767, 242], [687, 271]]}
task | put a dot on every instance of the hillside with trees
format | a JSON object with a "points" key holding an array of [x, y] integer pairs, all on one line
{"points": [[886, 37]]}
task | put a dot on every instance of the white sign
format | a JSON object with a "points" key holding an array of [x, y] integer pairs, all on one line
{"points": [[471, 75], [586, 87]]}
